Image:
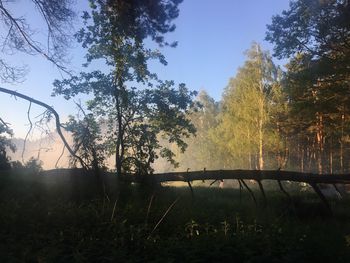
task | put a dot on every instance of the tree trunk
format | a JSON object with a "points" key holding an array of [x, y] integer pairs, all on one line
{"points": [[342, 142], [302, 159], [261, 136], [319, 138], [331, 156], [256, 175]]}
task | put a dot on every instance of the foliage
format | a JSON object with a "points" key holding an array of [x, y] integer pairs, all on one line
{"points": [[43, 218], [5, 145], [33, 165], [203, 151], [88, 142], [246, 128], [149, 112], [315, 34], [17, 165], [318, 28], [135, 105], [18, 35]]}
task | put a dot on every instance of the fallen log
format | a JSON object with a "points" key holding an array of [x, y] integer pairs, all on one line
{"points": [[256, 175]]}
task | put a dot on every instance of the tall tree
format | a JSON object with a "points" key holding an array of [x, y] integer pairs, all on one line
{"points": [[136, 105], [244, 126], [202, 150], [316, 35]]}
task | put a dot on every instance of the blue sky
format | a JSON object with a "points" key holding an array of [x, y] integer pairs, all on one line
{"points": [[212, 36]]}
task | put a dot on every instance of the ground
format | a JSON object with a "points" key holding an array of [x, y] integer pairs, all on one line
{"points": [[73, 219]]}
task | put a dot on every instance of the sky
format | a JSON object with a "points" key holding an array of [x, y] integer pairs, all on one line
{"points": [[212, 37]]}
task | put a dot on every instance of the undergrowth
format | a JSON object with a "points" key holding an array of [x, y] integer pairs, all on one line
{"points": [[65, 219]]}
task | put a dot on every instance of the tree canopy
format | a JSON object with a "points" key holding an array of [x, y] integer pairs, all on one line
{"points": [[18, 34], [135, 106], [315, 35], [244, 128]]}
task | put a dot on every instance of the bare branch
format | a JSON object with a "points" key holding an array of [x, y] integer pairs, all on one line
{"points": [[57, 119], [6, 124], [162, 218], [29, 41], [29, 130], [11, 73], [59, 158]]}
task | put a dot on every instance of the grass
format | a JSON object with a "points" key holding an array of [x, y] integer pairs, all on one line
{"points": [[66, 219]]}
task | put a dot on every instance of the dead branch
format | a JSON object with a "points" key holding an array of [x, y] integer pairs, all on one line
{"points": [[59, 158], [162, 218], [256, 175], [247, 175], [57, 119], [149, 208], [322, 197], [190, 186], [213, 182], [15, 23], [114, 207], [6, 124], [29, 130], [250, 191], [337, 189], [262, 191], [283, 190], [240, 191]]}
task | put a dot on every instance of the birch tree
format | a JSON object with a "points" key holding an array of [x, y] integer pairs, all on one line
{"points": [[244, 125]]}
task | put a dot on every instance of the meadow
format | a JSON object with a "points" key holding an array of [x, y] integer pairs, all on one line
{"points": [[74, 219]]}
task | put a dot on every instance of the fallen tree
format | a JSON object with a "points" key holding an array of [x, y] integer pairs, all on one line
{"points": [[314, 180], [256, 175]]}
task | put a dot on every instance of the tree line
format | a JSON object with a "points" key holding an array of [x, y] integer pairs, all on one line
{"points": [[294, 118]]}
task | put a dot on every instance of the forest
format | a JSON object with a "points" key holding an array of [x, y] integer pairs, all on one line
{"points": [[264, 170]]}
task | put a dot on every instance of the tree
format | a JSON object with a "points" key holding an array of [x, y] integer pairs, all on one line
{"points": [[202, 151], [244, 128], [315, 34], [33, 165], [5, 143], [318, 28], [48, 113], [87, 139], [115, 32], [18, 35]]}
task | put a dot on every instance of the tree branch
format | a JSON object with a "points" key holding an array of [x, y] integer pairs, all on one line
{"points": [[29, 130], [57, 118], [29, 41]]}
